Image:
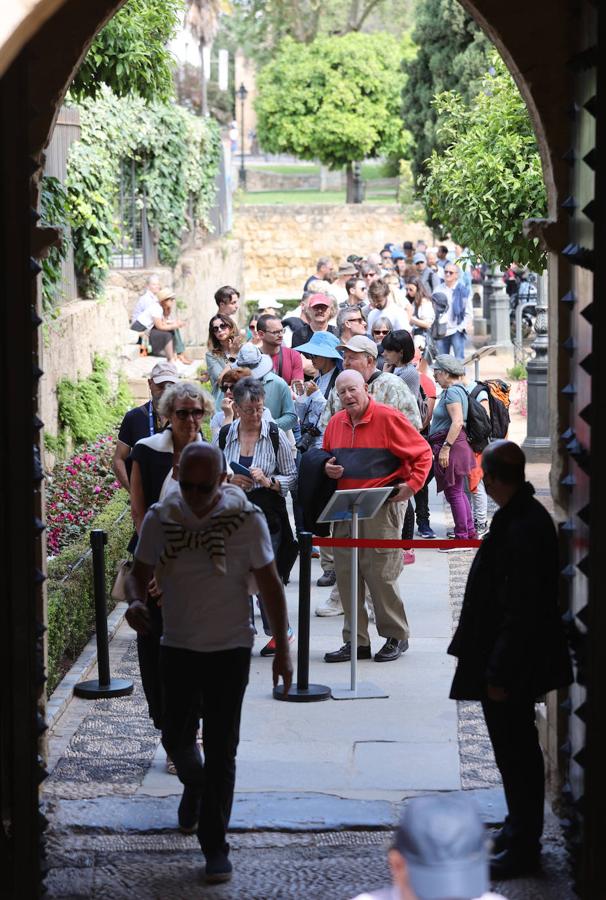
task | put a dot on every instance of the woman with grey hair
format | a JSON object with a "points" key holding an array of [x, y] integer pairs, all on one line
{"points": [[260, 456], [185, 405], [381, 327]]}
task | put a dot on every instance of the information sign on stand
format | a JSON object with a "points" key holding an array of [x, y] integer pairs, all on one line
{"points": [[351, 506]]}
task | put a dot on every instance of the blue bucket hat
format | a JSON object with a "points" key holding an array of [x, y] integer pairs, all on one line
{"points": [[398, 254], [322, 343]]}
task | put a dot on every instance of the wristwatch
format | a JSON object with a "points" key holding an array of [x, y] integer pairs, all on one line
{"points": [[446, 444]]}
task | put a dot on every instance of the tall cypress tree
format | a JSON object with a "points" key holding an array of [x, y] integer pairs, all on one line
{"points": [[453, 54]]}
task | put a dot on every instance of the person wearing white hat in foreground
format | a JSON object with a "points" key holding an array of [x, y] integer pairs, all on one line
{"points": [[439, 852]]}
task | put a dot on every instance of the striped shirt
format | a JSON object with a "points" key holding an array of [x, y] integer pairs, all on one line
{"points": [[282, 468]]}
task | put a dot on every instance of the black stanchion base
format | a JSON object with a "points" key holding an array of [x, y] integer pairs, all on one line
{"points": [[92, 690], [303, 695]]}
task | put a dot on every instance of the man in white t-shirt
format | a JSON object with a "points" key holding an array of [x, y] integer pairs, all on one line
{"points": [[147, 298], [384, 307], [201, 544]]}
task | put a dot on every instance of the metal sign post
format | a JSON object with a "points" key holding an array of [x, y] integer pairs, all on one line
{"points": [[352, 506]]}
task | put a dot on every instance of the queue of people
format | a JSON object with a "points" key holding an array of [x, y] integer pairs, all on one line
{"points": [[303, 403]]}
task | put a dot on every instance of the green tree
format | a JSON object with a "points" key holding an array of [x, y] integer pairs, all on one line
{"points": [[489, 177], [336, 100], [259, 26], [130, 54], [452, 55]]}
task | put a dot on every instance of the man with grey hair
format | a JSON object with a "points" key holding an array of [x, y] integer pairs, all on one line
{"points": [[350, 322], [324, 267], [149, 296], [201, 544], [373, 445]]}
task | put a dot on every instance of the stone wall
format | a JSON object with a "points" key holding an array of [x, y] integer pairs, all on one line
{"points": [[85, 328], [282, 244], [266, 180]]}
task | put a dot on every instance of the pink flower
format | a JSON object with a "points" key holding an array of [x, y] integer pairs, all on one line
{"points": [[97, 489]]}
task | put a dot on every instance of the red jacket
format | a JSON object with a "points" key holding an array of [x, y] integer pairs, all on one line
{"points": [[382, 448]]}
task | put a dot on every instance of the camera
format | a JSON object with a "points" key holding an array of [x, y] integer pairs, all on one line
{"points": [[308, 434]]}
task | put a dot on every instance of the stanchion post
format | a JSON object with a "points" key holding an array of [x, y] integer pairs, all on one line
{"points": [[303, 692], [103, 686]]}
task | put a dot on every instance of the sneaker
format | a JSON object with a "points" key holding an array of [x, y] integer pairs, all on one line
{"points": [[408, 557], [270, 647], [315, 553], [332, 607], [343, 654], [424, 531], [327, 579], [218, 867], [189, 810], [481, 528]]}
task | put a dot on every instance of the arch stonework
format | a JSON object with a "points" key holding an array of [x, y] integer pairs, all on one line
{"points": [[41, 44]]}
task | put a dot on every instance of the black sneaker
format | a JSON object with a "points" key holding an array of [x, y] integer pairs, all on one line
{"points": [[344, 653], [189, 810], [327, 579], [218, 867], [391, 649]]}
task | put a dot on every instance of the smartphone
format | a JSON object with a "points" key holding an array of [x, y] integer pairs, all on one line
{"points": [[237, 469], [298, 387]]}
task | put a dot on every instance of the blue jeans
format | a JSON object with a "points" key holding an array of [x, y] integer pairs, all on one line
{"points": [[456, 341]]}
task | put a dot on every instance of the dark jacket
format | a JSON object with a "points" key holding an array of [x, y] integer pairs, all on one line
{"points": [[510, 633], [314, 489]]}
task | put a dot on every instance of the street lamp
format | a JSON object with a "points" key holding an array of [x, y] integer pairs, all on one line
{"points": [[242, 94]]}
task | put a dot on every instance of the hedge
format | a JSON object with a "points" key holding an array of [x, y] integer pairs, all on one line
{"points": [[71, 607]]}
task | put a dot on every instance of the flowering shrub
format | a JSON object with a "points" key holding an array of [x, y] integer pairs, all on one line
{"points": [[77, 491], [519, 398]]}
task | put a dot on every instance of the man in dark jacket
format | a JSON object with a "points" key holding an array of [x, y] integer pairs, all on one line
{"points": [[511, 648]]}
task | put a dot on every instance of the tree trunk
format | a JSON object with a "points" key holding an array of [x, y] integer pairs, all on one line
{"points": [[349, 193], [203, 91]]}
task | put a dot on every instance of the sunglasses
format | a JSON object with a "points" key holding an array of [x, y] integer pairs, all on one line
{"points": [[197, 486], [185, 414], [226, 387], [378, 331], [220, 327], [450, 271], [360, 319]]}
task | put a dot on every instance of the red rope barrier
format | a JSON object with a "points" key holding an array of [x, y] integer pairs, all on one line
{"points": [[432, 544]]}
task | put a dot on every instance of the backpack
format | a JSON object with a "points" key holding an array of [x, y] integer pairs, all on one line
{"points": [[274, 436], [478, 426], [498, 401]]}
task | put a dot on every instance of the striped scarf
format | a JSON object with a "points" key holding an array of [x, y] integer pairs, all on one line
{"points": [[180, 537]]}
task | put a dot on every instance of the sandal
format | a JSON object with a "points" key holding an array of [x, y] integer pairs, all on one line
{"points": [[170, 766]]}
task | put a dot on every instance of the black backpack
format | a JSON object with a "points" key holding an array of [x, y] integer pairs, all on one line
{"points": [[478, 426], [274, 436]]}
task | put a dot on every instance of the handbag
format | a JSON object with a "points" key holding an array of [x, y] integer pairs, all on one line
{"points": [[118, 592]]}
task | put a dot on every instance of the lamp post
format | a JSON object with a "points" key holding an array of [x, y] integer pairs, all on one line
{"points": [[242, 94]]}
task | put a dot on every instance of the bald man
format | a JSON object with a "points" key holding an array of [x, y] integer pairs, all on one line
{"points": [[373, 445], [201, 543], [511, 648]]}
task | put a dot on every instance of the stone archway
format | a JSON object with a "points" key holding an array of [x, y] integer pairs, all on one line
{"points": [[41, 45]]}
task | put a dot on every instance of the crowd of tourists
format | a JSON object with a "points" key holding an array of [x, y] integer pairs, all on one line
{"points": [[362, 385]]}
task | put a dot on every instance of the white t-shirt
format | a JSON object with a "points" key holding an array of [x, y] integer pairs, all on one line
{"points": [[396, 315], [151, 312], [203, 609], [146, 299]]}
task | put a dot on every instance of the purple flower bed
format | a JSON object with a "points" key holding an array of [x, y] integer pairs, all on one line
{"points": [[77, 491]]}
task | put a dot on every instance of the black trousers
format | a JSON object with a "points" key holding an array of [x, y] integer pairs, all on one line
{"points": [[421, 499], [515, 740], [216, 682], [148, 651]]}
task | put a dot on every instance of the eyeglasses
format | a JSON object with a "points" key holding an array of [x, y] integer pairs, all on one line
{"points": [[184, 414], [251, 410], [221, 327], [198, 486], [379, 331], [450, 271], [358, 319], [277, 333]]}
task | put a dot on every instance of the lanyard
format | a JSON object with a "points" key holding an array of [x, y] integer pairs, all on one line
{"points": [[150, 413]]}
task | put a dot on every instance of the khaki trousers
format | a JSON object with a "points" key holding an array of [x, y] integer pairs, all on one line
{"points": [[380, 569]]}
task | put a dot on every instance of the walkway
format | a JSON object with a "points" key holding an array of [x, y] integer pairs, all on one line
{"points": [[319, 785]]}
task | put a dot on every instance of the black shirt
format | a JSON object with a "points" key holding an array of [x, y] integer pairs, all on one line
{"points": [[303, 333], [136, 424]]}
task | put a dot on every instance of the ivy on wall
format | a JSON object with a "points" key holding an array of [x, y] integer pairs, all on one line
{"points": [[89, 406], [178, 157], [53, 212]]}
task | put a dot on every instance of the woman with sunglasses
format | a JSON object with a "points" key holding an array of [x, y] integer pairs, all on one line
{"points": [[223, 345], [154, 458], [422, 313], [380, 329]]}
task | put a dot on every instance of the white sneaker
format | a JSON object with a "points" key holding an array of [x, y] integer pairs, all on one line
{"points": [[333, 606]]}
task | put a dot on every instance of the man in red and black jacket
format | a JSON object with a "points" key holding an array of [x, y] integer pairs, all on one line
{"points": [[373, 445]]}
